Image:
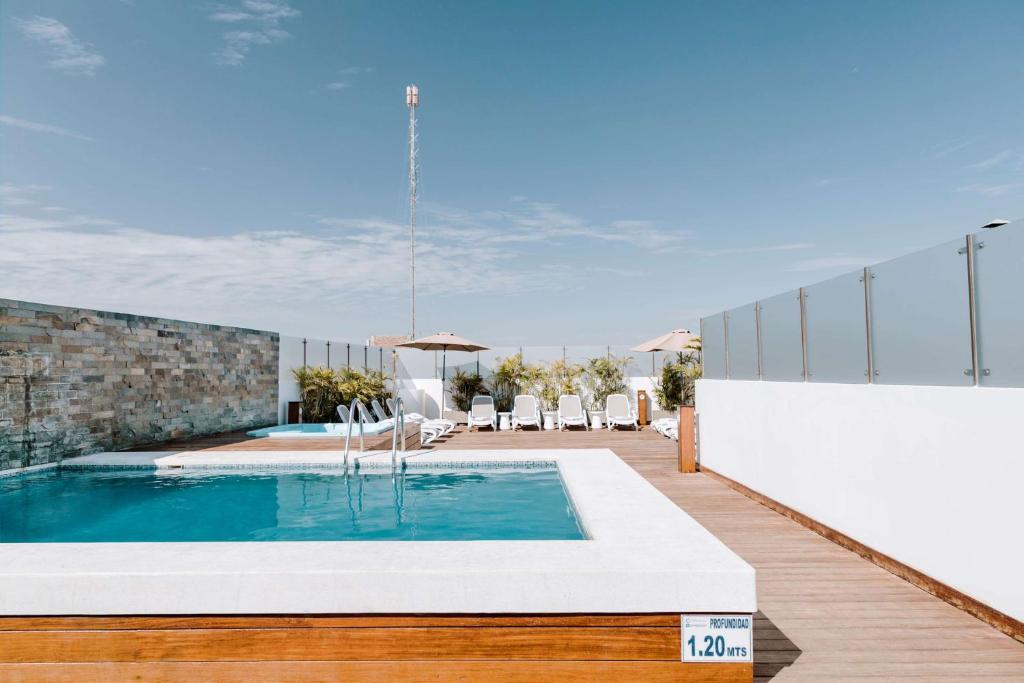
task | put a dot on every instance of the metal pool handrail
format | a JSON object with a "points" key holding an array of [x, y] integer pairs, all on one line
{"points": [[356, 411], [399, 417]]}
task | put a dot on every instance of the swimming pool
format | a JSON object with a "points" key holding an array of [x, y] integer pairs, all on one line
{"points": [[315, 429], [142, 505]]}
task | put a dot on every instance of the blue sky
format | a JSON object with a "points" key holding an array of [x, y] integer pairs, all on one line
{"points": [[592, 172]]}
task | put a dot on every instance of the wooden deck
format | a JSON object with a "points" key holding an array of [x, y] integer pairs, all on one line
{"points": [[826, 614]]}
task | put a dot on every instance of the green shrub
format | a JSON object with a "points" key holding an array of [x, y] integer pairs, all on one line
{"points": [[464, 386], [604, 376], [678, 380], [322, 390], [503, 392], [560, 377]]}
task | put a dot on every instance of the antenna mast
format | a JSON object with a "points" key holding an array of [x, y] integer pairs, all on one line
{"points": [[412, 100]]}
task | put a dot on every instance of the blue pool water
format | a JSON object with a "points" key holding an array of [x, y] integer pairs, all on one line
{"points": [[309, 505], [320, 429]]}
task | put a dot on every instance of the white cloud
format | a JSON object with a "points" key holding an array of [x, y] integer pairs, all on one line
{"points": [[997, 159], [951, 146], [992, 189], [67, 53], [760, 249], [346, 76], [258, 22], [41, 127], [290, 278], [12, 194]]}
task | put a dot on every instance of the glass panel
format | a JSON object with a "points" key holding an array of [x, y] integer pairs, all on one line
{"points": [[713, 346], [639, 364], [490, 358], [782, 357], [412, 363], [316, 352], [542, 354], [581, 355], [742, 342], [457, 360], [836, 338], [998, 266], [919, 318]]}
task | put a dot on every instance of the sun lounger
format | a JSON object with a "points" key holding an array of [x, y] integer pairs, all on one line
{"points": [[525, 412], [482, 414], [570, 412], [619, 413]]}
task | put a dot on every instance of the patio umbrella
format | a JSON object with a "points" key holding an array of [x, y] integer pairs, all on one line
{"points": [[679, 341], [442, 342]]}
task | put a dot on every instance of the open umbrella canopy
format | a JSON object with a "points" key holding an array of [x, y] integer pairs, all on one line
{"points": [[679, 341], [443, 341]]}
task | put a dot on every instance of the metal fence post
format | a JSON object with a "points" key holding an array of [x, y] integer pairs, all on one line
{"points": [[757, 329], [868, 332], [971, 302], [803, 331], [725, 340], [700, 355]]}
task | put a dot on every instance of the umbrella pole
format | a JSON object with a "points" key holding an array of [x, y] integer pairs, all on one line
{"points": [[444, 367]]}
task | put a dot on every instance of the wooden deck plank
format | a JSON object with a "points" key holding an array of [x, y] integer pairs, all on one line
{"points": [[407, 671], [336, 644], [826, 613]]}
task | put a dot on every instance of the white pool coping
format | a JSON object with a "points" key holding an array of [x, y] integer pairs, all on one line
{"points": [[645, 555]]}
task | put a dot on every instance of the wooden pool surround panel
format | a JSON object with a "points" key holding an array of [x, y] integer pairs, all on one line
{"points": [[629, 647]]}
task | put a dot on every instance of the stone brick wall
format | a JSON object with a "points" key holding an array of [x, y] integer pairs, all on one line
{"points": [[76, 381]]}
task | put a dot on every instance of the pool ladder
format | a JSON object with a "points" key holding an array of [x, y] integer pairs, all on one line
{"points": [[358, 413], [398, 433]]}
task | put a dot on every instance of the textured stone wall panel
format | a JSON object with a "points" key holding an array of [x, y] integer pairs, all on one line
{"points": [[76, 381]]}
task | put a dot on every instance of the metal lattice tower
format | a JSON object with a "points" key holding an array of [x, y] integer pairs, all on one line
{"points": [[412, 100]]}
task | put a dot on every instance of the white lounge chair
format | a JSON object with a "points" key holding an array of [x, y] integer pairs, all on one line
{"points": [[619, 413], [526, 412], [482, 413], [445, 426], [343, 414], [667, 426], [570, 412]]}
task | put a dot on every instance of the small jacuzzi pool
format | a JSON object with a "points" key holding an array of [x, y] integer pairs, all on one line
{"points": [[321, 429]]}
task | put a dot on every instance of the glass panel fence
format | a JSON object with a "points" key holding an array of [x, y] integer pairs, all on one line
{"points": [[998, 265], [920, 319], [453, 361], [543, 354], [413, 364], [637, 364], [742, 346], [782, 357], [713, 346], [836, 333]]}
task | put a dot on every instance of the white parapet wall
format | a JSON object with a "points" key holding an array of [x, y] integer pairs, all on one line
{"points": [[930, 476]]}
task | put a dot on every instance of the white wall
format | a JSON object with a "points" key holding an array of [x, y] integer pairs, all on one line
{"points": [[421, 396], [287, 388], [931, 476]]}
